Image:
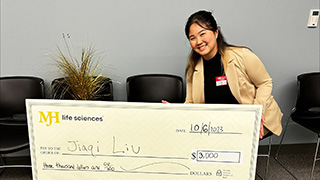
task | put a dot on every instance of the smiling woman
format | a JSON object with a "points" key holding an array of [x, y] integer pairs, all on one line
{"points": [[220, 73], [203, 41]]}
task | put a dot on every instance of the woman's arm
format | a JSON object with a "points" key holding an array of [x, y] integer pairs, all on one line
{"points": [[259, 76]]}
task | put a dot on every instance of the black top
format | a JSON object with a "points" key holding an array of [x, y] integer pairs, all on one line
{"points": [[214, 94]]}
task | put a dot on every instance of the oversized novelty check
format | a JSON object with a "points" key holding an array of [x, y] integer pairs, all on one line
{"points": [[145, 141]]}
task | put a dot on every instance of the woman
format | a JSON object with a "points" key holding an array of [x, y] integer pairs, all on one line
{"points": [[218, 72]]}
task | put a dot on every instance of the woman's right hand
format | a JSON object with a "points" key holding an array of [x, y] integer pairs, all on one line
{"points": [[165, 102], [261, 127]]}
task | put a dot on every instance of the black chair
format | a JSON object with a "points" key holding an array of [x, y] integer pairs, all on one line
{"points": [[13, 119], [306, 111], [61, 90], [154, 88]]}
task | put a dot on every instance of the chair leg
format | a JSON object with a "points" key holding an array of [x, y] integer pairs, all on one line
{"points": [[268, 160], [2, 164], [260, 176], [278, 151], [315, 157]]}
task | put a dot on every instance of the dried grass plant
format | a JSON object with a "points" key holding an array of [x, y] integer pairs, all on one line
{"points": [[82, 80]]}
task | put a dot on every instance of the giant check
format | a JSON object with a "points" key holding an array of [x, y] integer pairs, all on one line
{"points": [[118, 140]]}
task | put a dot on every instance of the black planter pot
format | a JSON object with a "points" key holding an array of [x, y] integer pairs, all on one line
{"points": [[61, 90]]}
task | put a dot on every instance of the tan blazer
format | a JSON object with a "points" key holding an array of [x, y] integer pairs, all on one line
{"points": [[249, 83]]}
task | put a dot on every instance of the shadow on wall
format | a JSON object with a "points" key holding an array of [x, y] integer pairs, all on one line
{"points": [[287, 96]]}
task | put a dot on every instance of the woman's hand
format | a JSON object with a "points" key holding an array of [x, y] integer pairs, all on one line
{"points": [[165, 102], [261, 126]]}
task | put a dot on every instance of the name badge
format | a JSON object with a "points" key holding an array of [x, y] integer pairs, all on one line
{"points": [[221, 80]]}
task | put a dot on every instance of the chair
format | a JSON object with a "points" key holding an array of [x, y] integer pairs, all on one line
{"points": [[154, 88], [60, 90], [306, 111], [13, 119]]}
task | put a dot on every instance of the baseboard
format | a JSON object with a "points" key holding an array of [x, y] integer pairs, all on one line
{"points": [[290, 148], [17, 160]]}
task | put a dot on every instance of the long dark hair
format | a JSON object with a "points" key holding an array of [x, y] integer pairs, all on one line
{"points": [[205, 20]]}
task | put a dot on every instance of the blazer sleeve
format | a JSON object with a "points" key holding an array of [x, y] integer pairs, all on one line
{"points": [[259, 76]]}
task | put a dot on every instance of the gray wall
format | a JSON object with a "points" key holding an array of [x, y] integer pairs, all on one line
{"points": [[144, 36]]}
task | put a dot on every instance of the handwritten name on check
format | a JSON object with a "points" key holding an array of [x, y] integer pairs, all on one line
{"points": [[119, 140]]}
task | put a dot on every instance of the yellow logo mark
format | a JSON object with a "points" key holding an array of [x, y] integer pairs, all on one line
{"points": [[48, 119]]}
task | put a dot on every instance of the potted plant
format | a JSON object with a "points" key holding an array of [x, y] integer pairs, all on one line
{"points": [[82, 80]]}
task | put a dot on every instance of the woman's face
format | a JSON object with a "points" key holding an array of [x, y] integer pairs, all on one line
{"points": [[203, 41]]}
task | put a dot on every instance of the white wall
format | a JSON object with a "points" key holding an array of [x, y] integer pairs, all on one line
{"points": [[144, 36]]}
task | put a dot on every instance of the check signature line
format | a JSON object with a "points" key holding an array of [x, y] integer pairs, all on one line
{"points": [[125, 156], [155, 163]]}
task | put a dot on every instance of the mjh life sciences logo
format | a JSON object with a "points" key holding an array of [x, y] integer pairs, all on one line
{"points": [[53, 117], [49, 117]]}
